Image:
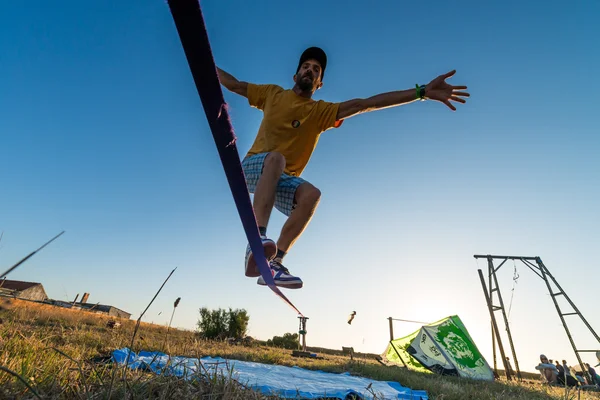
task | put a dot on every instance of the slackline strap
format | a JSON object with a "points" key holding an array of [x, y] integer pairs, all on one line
{"points": [[194, 39]]}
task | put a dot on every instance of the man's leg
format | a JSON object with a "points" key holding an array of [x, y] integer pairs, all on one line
{"points": [[307, 199], [266, 188], [298, 200], [550, 377], [262, 172]]}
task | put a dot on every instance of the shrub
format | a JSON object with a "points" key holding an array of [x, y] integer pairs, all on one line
{"points": [[221, 324], [288, 341]]}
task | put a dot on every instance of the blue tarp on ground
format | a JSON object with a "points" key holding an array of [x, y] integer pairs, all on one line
{"points": [[274, 380]]}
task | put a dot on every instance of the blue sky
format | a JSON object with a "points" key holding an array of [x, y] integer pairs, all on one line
{"points": [[103, 136]]}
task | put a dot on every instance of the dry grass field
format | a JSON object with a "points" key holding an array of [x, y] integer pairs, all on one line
{"points": [[48, 352]]}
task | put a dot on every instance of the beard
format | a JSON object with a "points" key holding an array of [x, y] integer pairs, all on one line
{"points": [[306, 83]]}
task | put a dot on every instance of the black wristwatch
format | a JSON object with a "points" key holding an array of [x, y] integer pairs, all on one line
{"points": [[422, 87]]}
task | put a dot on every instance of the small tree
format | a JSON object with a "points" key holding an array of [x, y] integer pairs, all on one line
{"points": [[219, 324], [237, 323]]}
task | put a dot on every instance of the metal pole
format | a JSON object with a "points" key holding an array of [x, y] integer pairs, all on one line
{"points": [[545, 274], [304, 335], [302, 331], [391, 329], [491, 323], [398, 354], [569, 300], [494, 324], [510, 341], [505, 257]]}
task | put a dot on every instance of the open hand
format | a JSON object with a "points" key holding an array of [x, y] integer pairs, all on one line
{"points": [[439, 90]]}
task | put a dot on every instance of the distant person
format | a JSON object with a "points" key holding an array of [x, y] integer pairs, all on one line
{"points": [[566, 367], [595, 378], [564, 375], [561, 370], [548, 370], [292, 124], [510, 369]]}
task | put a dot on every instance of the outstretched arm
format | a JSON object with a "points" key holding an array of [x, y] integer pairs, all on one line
{"points": [[437, 90], [232, 83]]}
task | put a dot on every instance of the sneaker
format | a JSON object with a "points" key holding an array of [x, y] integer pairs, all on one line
{"points": [[270, 248], [282, 277]]}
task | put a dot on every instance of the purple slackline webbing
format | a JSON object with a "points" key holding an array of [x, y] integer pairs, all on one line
{"points": [[194, 39]]}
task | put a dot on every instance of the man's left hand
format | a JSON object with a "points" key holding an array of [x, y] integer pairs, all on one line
{"points": [[439, 90]]}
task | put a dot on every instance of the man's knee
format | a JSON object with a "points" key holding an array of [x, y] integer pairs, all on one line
{"points": [[274, 161], [308, 195]]}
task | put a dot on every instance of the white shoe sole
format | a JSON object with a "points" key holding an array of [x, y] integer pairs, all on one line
{"points": [[282, 284]]}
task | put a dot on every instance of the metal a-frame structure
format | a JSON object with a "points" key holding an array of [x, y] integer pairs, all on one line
{"points": [[554, 289]]}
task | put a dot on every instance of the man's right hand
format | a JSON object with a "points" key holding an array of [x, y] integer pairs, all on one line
{"points": [[233, 84]]}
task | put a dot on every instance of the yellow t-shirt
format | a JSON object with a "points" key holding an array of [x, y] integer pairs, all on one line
{"points": [[291, 124]]}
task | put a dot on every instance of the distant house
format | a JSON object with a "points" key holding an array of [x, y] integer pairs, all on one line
{"points": [[35, 291], [23, 290], [91, 307], [101, 308], [105, 309]]}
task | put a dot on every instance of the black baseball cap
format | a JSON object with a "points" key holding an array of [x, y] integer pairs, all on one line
{"points": [[314, 53]]}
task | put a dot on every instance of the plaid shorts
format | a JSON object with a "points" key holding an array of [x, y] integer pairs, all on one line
{"points": [[286, 187]]}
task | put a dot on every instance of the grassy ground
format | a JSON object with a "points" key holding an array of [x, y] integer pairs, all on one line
{"points": [[51, 353]]}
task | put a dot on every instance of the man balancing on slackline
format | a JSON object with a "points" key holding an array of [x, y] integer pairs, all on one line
{"points": [[286, 138]]}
